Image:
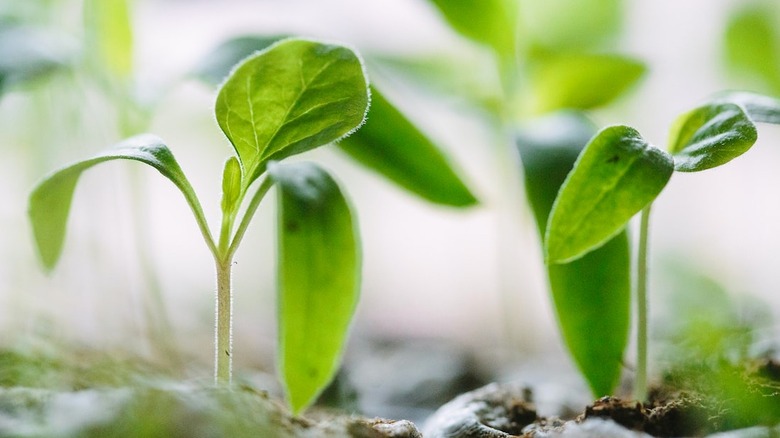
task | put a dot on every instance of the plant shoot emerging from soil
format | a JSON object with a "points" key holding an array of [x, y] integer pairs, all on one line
{"points": [[294, 96]]}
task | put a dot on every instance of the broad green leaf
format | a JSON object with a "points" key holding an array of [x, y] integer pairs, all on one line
{"points": [[752, 45], [391, 145], [758, 107], [570, 25], [490, 22], [216, 65], [294, 96], [50, 200], [27, 53], [109, 35], [580, 81], [319, 278], [617, 175], [710, 136], [591, 295]]}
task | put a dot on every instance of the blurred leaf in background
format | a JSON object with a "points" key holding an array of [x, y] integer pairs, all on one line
{"points": [[752, 45], [29, 52], [569, 25]]}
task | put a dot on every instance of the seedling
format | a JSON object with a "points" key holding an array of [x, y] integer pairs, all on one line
{"points": [[619, 174], [294, 96]]}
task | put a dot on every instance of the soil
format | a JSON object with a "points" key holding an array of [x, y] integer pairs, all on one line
{"points": [[692, 401]]}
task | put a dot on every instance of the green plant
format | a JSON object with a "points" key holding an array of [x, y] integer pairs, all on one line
{"points": [[520, 59], [619, 174], [294, 96]]}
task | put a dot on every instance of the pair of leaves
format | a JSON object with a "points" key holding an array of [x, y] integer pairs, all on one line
{"points": [[389, 143], [591, 295], [619, 173], [275, 92], [615, 176]]}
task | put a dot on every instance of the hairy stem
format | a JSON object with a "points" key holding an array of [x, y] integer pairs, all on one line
{"points": [[223, 351], [640, 384]]}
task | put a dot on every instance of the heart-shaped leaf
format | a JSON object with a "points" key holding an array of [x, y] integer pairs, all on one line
{"points": [[710, 136], [294, 96], [50, 200], [592, 295], [319, 278], [617, 174], [759, 108], [392, 146]]}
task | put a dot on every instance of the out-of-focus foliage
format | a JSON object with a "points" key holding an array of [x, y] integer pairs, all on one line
{"points": [[752, 45], [713, 345], [29, 52]]}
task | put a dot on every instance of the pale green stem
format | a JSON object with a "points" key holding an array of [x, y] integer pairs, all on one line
{"points": [[223, 256], [640, 384], [223, 360]]}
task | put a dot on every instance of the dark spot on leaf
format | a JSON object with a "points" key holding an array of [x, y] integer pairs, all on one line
{"points": [[614, 159], [291, 226], [227, 353]]}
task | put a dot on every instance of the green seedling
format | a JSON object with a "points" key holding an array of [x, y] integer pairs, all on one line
{"points": [[550, 59], [619, 174], [294, 96]]}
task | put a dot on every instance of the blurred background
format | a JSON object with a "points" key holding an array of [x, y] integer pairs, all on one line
{"points": [[473, 277]]}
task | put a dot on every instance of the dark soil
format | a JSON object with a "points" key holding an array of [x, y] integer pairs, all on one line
{"points": [[692, 401]]}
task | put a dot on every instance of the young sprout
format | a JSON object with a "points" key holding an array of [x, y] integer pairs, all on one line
{"points": [[619, 174], [294, 96]]}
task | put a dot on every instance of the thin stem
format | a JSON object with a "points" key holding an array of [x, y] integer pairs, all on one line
{"points": [[223, 350], [640, 385], [248, 214], [223, 257]]}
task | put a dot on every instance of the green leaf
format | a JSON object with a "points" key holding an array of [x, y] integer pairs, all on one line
{"points": [[570, 25], [758, 107], [50, 200], [391, 145], [216, 65], [752, 45], [231, 185], [591, 295], [489, 22], [710, 136], [580, 81], [319, 278], [294, 96], [617, 175], [109, 35]]}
